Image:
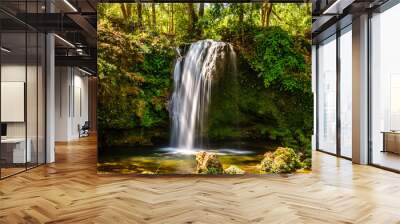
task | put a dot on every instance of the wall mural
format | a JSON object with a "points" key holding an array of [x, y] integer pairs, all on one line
{"points": [[204, 88]]}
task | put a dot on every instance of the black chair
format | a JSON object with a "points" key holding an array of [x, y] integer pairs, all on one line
{"points": [[84, 130]]}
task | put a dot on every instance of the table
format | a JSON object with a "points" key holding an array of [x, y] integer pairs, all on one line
{"points": [[391, 141], [13, 150]]}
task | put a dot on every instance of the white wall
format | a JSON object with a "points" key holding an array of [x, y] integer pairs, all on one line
{"points": [[16, 73], [62, 82], [33, 127], [71, 102], [80, 109]]}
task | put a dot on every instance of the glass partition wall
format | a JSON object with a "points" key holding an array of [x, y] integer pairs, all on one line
{"points": [[385, 89], [345, 61], [334, 93], [22, 78], [327, 95]]}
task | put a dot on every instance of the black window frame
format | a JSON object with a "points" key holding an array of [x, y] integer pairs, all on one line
{"points": [[339, 31]]}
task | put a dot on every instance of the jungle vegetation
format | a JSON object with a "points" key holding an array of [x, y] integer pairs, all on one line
{"points": [[136, 54]]}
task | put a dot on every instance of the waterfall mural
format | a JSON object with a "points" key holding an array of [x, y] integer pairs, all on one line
{"points": [[204, 88], [193, 76]]}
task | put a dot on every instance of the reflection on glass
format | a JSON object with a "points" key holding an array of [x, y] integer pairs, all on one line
{"points": [[15, 151], [41, 99], [22, 90], [346, 93], [31, 101], [327, 96], [385, 89], [394, 102]]}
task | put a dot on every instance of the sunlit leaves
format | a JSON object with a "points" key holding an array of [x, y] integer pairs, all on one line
{"points": [[277, 60], [134, 73], [135, 66]]}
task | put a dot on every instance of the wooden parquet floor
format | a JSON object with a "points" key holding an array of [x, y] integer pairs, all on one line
{"points": [[70, 191]]}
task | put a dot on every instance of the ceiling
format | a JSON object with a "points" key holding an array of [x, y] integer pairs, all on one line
{"points": [[332, 15], [73, 21]]}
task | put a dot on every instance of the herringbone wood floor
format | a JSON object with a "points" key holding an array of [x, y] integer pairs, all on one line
{"points": [[70, 191]]}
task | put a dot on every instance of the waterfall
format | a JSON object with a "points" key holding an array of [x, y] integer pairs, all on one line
{"points": [[194, 74]]}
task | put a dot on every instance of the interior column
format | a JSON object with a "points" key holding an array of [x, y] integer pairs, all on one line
{"points": [[360, 90]]}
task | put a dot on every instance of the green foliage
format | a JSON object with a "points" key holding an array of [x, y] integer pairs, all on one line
{"points": [[294, 18], [270, 99], [277, 60], [282, 160], [213, 171], [134, 79]]}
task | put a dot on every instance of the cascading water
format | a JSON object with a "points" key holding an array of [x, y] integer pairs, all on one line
{"points": [[193, 80]]}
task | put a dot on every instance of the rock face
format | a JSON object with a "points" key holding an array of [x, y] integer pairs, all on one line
{"points": [[208, 163], [283, 160], [233, 170]]}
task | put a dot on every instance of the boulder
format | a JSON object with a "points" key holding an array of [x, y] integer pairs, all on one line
{"points": [[233, 170], [208, 163], [282, 160]]}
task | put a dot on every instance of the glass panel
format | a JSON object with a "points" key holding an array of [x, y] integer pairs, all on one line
{"points": [[327, 96], [31, 98], [346, 93], [41, 99], [385, 89], [22, 88], [32, 86], [13, 86]]}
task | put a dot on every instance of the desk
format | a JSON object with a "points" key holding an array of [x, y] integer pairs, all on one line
{"points": [[391, 141], [14, 150]]}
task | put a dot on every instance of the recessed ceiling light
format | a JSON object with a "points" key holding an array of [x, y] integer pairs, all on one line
{"points": [[84, 71], [65, 41], [79, 51], [70, 5], [337, 7], [5, 50]]}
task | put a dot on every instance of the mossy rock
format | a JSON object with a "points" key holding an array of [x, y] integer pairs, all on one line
{"points": [[208, 163], [234, 170], [282, 160], [147, 172]]}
